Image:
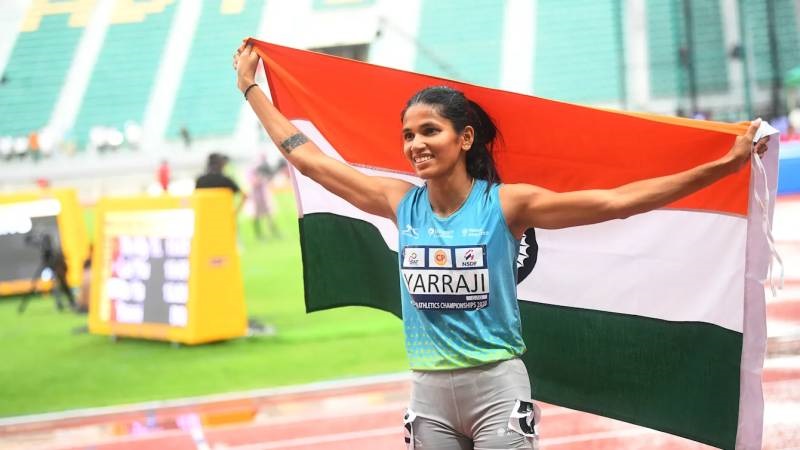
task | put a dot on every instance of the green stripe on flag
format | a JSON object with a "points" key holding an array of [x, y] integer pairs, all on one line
{"points": [[636, 369], [670, 376], [347, 262]]}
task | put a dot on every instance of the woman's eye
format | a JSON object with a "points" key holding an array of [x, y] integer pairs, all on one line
{"points": [[431, 131], [408, 136]]}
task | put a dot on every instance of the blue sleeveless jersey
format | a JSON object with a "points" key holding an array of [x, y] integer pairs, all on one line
{"points": [[458, 282]]}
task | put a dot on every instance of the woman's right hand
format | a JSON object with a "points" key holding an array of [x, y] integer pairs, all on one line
{"points": [[245, 62]]}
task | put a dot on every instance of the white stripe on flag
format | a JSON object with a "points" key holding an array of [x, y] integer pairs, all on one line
{"points": [[666, 264], [313, 198], [670, 265]]}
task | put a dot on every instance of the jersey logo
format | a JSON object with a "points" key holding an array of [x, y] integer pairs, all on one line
{"points": [[411, 231], [440, 258], [446, 278]]}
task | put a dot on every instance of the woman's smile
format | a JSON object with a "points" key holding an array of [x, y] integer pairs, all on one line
{"points": [[419, 159], [429, 138]]}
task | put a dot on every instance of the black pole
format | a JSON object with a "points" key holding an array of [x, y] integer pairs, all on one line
{"points": [[774, 56], [688, 54]]}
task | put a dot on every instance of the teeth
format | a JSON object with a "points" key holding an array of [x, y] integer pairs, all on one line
{"points": [[421, 159]]}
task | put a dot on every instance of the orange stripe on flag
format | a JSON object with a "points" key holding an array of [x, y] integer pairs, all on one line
{"points": [[557, 145]]}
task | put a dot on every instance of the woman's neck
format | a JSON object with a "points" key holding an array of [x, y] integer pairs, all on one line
{"points": [[447, 195]]}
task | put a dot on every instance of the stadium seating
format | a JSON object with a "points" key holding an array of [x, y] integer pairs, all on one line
{"points": [[124, 73], [786, 35], [461, 43], [579, 54], [35, 74], [666, 36], [207, 103]]}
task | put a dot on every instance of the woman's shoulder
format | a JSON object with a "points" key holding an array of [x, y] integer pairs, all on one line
{"points": [[413, 195], [506, 190]]}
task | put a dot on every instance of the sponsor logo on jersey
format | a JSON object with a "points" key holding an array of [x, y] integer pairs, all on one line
{"points": [[414, 257], [449, 278], [473, 232], [436, 232], [469, 257], [440, 257], [411, 232]]}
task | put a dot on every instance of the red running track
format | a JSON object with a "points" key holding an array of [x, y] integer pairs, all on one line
{"points": [[356, 417]]}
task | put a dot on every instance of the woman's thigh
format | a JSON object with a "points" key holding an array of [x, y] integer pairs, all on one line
{"points": [[461, 408]]}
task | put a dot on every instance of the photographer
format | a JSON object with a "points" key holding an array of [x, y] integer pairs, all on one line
{"points": [[51, 258]]}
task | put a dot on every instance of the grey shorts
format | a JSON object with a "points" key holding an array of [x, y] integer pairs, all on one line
{"points": [[482, 408]]}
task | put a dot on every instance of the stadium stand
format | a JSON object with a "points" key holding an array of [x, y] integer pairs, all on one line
{"points": [[206, 103], [461, 43], [336, 4], [667, 34], [787, 37], [579, 54], [125, 70], [35, 73], [710, 57]]}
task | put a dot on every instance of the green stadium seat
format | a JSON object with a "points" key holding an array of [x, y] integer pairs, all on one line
{"points": [[35, 74], [461, 42], [579, 53], [665, 32], [787, 37], [207, 102], [124, 74]]}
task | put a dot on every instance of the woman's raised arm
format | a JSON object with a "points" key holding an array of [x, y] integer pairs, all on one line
{"points": [[526, 206], [375, 195]]}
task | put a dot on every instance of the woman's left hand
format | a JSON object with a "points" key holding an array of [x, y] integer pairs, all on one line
{"points": [[760, 147], [744, 147]]}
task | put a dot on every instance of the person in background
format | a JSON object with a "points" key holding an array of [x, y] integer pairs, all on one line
{"points": [[84, 298], [186, 137], [260, 176], [52, 260], [34, 148], [163, 175], [215, 178]]}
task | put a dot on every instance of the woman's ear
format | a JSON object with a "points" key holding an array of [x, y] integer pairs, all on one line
{"points": [[467, 138]]}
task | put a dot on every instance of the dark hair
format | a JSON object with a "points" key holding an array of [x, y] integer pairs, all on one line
{"points": [[454, 106], [216, 162]]}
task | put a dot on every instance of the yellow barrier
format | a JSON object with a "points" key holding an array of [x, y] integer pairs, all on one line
{"points": [[167, 268], [24, 218]]}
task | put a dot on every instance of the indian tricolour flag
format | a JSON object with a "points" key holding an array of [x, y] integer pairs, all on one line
{"points": [[657, 320]]}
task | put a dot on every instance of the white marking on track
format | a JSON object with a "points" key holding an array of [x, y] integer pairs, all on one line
{"points": [[322, 439]]}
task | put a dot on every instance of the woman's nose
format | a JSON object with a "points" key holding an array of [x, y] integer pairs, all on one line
{"points": [[417, 143]]}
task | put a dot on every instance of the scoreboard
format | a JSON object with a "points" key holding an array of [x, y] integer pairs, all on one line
{"points": [[167, 268], [25, 218]]}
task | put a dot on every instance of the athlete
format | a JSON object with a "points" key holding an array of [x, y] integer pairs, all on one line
{"points": [[462, 325]]}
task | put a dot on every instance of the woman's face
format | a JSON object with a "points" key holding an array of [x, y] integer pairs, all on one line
{"points": [[431, 144]]}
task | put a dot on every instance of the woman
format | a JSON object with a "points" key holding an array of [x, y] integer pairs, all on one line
{"points": [[461, 319]]}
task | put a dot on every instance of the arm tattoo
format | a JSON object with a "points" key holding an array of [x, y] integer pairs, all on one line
{"points": [[293, 141]]}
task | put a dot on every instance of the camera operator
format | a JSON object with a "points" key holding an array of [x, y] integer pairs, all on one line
{"points": [[51, 258]]}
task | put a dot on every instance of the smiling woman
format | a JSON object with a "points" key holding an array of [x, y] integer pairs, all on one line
{"points": [[458, 253]]}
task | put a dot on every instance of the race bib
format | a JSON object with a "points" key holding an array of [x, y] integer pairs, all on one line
{"points": [[447, 278]]}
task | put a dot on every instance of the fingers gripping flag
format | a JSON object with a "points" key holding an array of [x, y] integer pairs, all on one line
{"points": [[657, 320]]}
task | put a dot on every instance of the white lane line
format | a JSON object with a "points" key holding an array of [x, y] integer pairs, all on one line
{"points": [[315, 440], [549, 442], [251, 396], [339, 437]]}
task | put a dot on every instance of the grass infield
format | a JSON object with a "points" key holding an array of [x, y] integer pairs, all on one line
{"points": [[48, 366]]}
